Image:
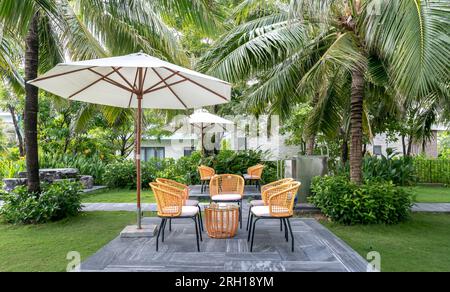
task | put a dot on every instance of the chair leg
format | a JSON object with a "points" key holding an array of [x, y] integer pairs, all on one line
{"points": [[285, 229], [201, 219], [163, 229], [248, 217], [250, 228], [281, 224], [253, 234], [199, 228], [196, 233], [170, 225], [159, 232], [240, 213], [292, 234]]}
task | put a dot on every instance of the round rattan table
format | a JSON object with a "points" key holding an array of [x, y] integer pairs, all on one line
{"points": [[222, 220]]}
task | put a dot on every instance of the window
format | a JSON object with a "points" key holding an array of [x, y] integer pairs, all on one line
{"points": [[152, 152], [377, 150], [188, 151]]}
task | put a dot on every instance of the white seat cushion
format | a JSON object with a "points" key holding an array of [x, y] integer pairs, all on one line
{"points": [[206, 178], [264, 211], [247, 176], [186, 211], [257, 203], [226, 197], [191, 203]]}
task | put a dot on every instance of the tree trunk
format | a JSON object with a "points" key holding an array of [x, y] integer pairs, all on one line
{"points": [[344, 152], [32, 106], [17, 129], [403, 145], [310, 145], [311, 140], [356, 129]]}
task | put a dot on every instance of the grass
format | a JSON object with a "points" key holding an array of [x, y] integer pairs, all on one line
{"points": [[118, 196], [421, 244], [44, 247], [431, 194]]}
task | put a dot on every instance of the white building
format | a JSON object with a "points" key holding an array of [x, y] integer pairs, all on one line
{"points": [[381, 143]]}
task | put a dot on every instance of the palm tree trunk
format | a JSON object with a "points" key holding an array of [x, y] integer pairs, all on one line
{"points": [[32, 106], [311, 140], [356, 126], [12, 111]]}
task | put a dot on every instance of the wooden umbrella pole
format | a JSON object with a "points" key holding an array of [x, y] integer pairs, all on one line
{"points": [[138, 151]]}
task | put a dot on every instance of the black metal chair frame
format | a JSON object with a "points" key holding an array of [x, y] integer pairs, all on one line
{"points": [[284, 220], [162, 227], [204, 185]]}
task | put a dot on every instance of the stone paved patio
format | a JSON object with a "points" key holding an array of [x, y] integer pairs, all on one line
{"points": [[316, 249]]}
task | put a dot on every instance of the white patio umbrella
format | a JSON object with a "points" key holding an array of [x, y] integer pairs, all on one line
{"points": [[202, 119], [134, 81]]}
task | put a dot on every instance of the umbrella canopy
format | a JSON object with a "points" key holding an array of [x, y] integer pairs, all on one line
{"points": [[202, 119], [202, 116], [118, 81], [134, 81]]}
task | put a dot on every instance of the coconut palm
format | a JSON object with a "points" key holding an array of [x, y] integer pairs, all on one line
{"points": [[48, 30], [328, 47]]}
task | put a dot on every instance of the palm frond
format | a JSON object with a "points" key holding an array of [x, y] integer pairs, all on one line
{"points": [[413, 37]]}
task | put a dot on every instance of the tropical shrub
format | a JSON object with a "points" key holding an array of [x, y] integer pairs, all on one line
{"points": [[399, 170], [10, 168], [122, 174], [87, 165], [371, 203], [56, 201]]}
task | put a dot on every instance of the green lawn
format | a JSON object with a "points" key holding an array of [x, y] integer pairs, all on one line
{"points": [[118, 196], [431, 194], [421, 244], [44, 247]]}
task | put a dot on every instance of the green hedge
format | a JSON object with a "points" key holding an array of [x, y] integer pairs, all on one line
{"points": [[370, 203], [432, 170], [122, 174]]}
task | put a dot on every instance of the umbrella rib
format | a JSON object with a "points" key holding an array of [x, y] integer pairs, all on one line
{"points": [[60, 74], [92, 84], [123, 77], [170, 88], [148, 90], [198, 84], [164, 86], [134, 87], [109, 80]]}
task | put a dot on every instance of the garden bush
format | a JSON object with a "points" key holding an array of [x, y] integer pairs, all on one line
{"points": [[399, 170], [93, 165], [56, 201], [371, 203], [122, 174]]}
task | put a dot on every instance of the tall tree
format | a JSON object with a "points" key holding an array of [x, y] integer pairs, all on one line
{"points": [[299, 49], [85, 29]]}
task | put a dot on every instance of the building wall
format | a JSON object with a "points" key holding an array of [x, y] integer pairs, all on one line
{"points": [[431, 149], [173, 148]]}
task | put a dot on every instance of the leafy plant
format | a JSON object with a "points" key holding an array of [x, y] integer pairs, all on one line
{"points": [[86, 165], [56, 201], [400, 170], [370, 203]]}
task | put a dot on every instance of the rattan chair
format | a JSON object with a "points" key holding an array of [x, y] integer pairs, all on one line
{"points": [[187, 201], [169, 202], [254, 174], [280, 206], [227, 188], [206, 173], [264, 197]]}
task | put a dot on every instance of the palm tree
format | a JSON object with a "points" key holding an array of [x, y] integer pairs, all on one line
{"points": [[304, 47], [86, 29]]}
